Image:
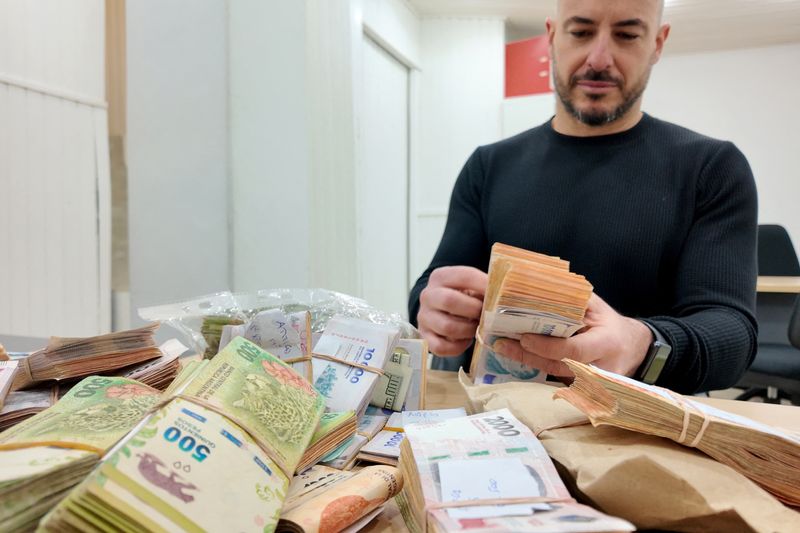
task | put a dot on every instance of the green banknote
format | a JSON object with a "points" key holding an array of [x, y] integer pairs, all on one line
{"points": [[92, 416], [214, 458], [187, 468], [45, 456], [262, 394]]}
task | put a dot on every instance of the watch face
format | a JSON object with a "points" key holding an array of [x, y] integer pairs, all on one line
{"points": [[659, 359]]}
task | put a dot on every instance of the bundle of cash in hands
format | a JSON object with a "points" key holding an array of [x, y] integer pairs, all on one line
{"points": [[527, 292]]}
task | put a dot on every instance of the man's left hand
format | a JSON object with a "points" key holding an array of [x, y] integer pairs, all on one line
{"points": [[609, 341]]}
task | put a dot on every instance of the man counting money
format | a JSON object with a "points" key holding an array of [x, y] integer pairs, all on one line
{"points": [[660, 219]]}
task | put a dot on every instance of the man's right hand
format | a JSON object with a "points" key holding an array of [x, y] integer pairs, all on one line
{"points": [[450, 308]]}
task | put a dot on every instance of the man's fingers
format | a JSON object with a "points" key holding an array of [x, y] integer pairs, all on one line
{"points": [[553, 348], [444, 347], [511, 349], [451, 301], [447, 326], [460, 278]]}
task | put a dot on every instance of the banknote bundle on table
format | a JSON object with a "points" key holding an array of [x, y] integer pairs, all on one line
{"points": [[344, 456], [527, 292], [65, 358], [484, 473], [325, 499], [348, 360], [333, 430], [8, 369], [45, 456], [402, 385], [23, 404], [767, 455], [243, 420], [160, 372], [286, 336]]}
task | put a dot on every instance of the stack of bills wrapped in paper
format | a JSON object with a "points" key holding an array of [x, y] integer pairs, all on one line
{"points": [[528, 292], [349, 359], [65, 358], [767, 455], [218, 456], [402, 385], [487, 472], [325, 499], [45, 456], [286, 336]]}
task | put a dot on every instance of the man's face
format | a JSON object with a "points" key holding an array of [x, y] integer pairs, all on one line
{"points": [[603, 51]]}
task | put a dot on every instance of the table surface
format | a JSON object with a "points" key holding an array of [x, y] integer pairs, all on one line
{"points": [[443, 391], [778, 284]]}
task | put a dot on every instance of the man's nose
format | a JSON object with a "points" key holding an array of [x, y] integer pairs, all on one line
{"points": [[600, 57]]}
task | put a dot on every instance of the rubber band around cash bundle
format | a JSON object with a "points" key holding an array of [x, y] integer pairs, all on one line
{"points": [[202, 403], [494, 501], [332, 359], [687, 407]]}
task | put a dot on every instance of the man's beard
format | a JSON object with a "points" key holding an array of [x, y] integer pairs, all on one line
{"points": [[598, 118]]}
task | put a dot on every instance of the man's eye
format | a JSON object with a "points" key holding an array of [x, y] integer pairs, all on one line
{"points": [[625, 36], [579, 34]]}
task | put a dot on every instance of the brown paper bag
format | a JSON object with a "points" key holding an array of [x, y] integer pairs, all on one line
{"points": [[653, 482]]}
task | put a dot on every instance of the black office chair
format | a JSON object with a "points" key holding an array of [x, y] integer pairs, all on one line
{"points": [[775, 372]]}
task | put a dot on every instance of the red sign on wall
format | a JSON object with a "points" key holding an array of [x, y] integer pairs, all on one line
{"points": [[528, 67]]}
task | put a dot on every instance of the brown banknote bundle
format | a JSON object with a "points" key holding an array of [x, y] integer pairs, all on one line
{"points": [[767, 455], [65, 358], [527, 292], [651, 481]]}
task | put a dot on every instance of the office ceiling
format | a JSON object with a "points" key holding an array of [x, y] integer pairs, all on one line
{"points": [[697, 25]]}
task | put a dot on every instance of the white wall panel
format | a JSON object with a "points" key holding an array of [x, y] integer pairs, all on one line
{"points": [[269, 144], [177, 150], [53, 169], [460, 107]]}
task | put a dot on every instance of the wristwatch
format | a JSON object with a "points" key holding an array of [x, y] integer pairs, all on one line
{"points": [[655, 359]]}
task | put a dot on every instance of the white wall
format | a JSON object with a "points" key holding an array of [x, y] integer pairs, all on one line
{"points": [[749, 97], [177, 149], [460, 108], [269, 142], [54, 170]]}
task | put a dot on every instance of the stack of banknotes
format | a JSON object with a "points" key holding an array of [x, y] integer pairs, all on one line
{"points": [[349, 359], [484, 473], [325, 499], [244, 419], [22, 404], [42, 458], [286, 336], [334, 429], [767, 455], [402, 386], [65, 358], [528, 292]]}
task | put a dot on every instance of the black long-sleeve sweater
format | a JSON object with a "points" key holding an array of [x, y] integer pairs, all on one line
{"points": [[661, 220]]}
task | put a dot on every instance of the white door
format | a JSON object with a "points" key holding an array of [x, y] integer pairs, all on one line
{"points": [[383, 184]]}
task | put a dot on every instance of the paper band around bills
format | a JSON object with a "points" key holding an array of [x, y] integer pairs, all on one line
{"points": [[349, 363], [494, 501], [202, 403]]}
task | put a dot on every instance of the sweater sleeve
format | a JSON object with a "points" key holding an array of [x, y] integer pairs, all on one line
{"points": [[712, 327], [464, 241]]}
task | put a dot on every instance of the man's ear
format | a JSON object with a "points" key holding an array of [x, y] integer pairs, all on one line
{"points": [[550, 26], [661, 38]]}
